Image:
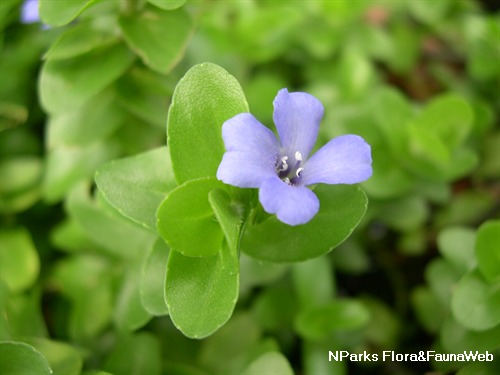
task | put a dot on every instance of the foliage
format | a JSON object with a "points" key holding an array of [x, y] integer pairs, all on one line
{"points": [[120, 251]]}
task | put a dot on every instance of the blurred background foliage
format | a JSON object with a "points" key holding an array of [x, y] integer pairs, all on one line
{"points": [[91, 82]]}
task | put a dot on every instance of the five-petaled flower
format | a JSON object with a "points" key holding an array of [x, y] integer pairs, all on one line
{"points": [[281, 169]]}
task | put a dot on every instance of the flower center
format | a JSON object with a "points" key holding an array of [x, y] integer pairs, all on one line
{"points": [[288, 170]]}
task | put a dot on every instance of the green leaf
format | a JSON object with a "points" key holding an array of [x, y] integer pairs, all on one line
{"points": [[62, 12], [313, 281], [201, 293], [475, 303], [488, 250], [153, 279], [19, 262], [429, 309], [317, 322], [86, 281], [450, 117], [229, 216], [186, 220], [78, 40], [90, 122], [456, 244], [20, 187], [341, 209], [135, 355], [63, 358], [142, 93], [159, 37], [235, 346], [129, 313], [117, 235], [66, 166], [68, 84], [20, 358], [136, 185], [204, 98], [168, 4], [269, 363], [456, 339]]}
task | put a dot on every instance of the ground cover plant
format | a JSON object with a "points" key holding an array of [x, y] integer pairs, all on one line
{"points": [[197, 187]]}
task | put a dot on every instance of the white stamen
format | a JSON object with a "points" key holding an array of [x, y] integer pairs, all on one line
{"points": [[299, 171], [284, 166], [298, 156], [286, 180]]}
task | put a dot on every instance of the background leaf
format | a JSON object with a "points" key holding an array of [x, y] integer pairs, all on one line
{"points": [[18, 358], [137, 185], [158, 37], [61, 12]]}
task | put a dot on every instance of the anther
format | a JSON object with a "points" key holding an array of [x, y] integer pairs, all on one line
{"points": [[298, 156], [299, 171]]}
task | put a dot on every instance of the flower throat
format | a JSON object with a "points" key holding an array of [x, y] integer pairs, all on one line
{"points": [[289, 173]]}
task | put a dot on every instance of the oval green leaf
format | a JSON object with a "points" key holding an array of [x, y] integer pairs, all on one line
{"points": [[20, 358], [201, 293], [61, 12], [204, 98], [341, 209], [153, 279], [318, 322], [488, 250], [475, 304], [136, 185], [159, 37], [186, 220]]}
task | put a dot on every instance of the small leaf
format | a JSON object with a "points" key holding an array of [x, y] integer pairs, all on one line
{"points": [[59, 13], [136, 185], [129, 313], [317, 322], [456, 244], [448, 116], [67, 84], [488, 250], [475, 303], [186, 220], [91, 122], [139, 354], [63, 358], [20, 358], [269, 363], [204, 98], [153, 279], [66, 166], [19, 262], [159, 37], [341, 209], [80, 39], [168, 4], [201, 293], [20, 182], [229, 217]]}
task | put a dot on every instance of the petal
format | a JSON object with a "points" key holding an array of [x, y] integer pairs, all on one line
{"points": [[344, 160], [293, 205], [297, 117], [251, 154], [244, 132], [237, 168]]}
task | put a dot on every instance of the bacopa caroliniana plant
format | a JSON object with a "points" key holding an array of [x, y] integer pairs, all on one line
{"points": [[206, 223]]}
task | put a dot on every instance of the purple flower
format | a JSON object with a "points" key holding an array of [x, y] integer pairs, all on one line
{"points": [[281, 169], [29, 11]]}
